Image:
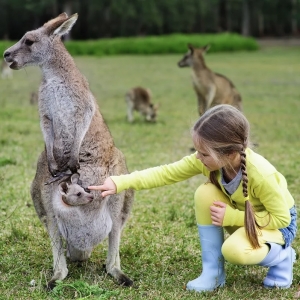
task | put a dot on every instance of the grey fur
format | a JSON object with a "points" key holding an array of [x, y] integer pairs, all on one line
{"points": [[75, 136]]}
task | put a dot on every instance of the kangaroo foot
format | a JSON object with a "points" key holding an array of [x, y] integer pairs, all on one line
{"points": [[120, 277]]}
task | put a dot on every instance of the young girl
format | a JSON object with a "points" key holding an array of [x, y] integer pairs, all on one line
{"points": [[245, 194]]}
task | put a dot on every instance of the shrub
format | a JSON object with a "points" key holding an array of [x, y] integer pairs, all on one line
{"points": [[164, 44], [168, 44]]}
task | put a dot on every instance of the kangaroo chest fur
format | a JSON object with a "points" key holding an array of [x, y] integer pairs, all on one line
{"points": [[81, 226], [66, 111], [202, 81]]}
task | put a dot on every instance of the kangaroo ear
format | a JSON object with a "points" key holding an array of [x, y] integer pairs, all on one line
{"points": [[66, 26], [63, 188], [206, 48], [75, 178], [191, 47]]}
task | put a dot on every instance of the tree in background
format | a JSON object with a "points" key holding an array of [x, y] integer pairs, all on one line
{"points": [[115, 18]]}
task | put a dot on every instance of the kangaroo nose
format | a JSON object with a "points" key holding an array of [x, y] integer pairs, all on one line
{"points": [[6, 54], [87, 190]]}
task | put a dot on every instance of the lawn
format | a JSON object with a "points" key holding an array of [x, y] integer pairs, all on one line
{"points": [[159, 247]]}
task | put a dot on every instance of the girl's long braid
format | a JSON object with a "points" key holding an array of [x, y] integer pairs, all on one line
{"points": [[249, 222]]}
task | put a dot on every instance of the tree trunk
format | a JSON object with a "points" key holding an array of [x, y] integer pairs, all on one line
{"points": [[223, 15], [246, 18], [294, 24]]}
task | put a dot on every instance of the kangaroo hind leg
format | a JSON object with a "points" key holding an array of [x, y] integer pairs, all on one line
{"points": [[60, 270]]}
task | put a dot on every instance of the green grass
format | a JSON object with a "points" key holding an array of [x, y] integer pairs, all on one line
{"points": [[159, 247]]}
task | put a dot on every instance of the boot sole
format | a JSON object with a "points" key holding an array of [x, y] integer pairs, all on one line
{"points": [[199, 290]]}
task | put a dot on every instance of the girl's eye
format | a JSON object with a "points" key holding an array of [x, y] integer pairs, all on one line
{"points": [[203, 154], [79, 194], [28, 42]]}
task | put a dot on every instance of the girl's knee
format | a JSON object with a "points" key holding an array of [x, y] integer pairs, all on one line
{"points": [[234, 254], [237, 249], [205, 195], [206, 192], [203, 201]]}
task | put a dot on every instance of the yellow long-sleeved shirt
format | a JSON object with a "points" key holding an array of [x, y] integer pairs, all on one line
{"points": [[267, 188]]}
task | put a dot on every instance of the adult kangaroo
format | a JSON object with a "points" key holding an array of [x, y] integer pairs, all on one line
{"points": [[77, 140], [211, 88]]}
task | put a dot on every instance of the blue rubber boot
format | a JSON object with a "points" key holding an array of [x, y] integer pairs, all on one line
{"points": [[281, 262], [213, 273]]}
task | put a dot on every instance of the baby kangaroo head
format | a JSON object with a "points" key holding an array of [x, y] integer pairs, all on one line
{"points": [[193, 54], [73, 194]]}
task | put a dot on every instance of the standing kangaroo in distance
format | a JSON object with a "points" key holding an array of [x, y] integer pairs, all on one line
{"points": [[75, 136], [139, 99], [211, 88]]}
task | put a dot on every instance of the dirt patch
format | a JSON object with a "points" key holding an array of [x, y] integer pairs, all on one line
{"points": [[271, 42]]}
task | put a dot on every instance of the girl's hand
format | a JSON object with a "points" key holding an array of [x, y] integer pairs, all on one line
{"points": [[108, 187], [217, 212]]}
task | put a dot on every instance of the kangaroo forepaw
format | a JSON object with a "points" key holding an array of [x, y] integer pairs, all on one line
{"points": [[74, 166], [60, 176]]}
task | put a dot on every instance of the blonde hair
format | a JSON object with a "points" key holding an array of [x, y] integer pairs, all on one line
{"points": [[223, 130]]}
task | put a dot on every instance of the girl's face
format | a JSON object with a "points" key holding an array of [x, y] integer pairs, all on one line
{"points": [[210, 162]]}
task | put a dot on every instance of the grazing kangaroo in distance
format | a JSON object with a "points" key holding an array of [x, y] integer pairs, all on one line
{"points": [[75, 136], [211, 88], [34, 98], [73, 194], [5, 70], [139, 99]]}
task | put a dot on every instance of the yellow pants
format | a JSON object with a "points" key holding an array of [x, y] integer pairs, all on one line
{"points": [[236, 249]]}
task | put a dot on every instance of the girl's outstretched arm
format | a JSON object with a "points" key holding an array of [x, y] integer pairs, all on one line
{"points": [[107, 188]]}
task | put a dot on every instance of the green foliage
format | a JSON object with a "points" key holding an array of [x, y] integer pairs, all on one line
{"points": [[159, 247], [80, 290], [165, 44], [116, 18], [6, 161], [4, 45], [168, 44]]}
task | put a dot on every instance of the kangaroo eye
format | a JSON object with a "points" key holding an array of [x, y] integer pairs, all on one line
{"points": [[28, 42], [78, 194]]}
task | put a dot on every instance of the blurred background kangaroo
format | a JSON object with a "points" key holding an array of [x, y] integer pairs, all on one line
{"points": [[6, 70], [211, 88], [34, 97], [76, 137], [139, 99]]}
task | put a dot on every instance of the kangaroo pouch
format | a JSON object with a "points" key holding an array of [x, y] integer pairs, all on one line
{"points": [[84, 231]]}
